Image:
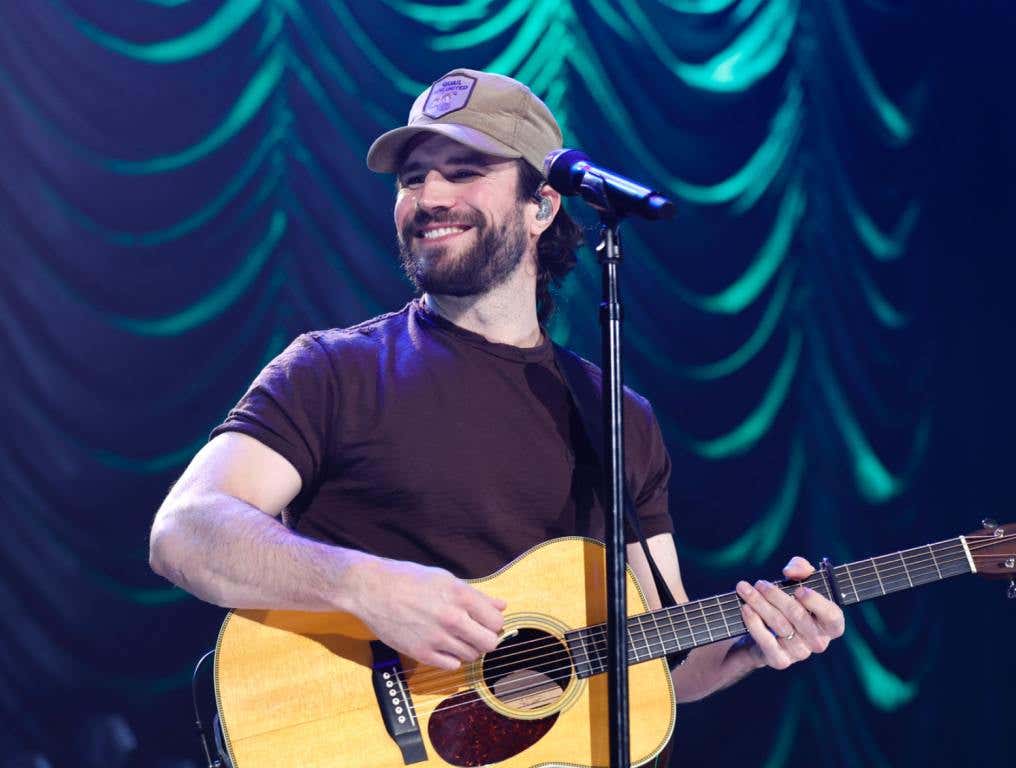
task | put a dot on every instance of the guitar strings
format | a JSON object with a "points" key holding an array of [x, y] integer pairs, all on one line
{"points": [[730, 607], [974, 542], [862, 569], [562, 675], [729, 603], [643, 621], [558, 676]]}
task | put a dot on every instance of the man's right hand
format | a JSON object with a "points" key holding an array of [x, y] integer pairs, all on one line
{"points": [[427, 613]]}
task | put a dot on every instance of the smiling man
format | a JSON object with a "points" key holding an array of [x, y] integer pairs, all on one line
{"points": [[469, 250], [438, 442]]}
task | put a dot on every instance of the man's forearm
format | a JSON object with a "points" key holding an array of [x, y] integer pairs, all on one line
{"points": [[232, 554], [713, 667]]}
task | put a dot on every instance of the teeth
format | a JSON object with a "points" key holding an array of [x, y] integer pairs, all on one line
{"points": [[432, 233]]}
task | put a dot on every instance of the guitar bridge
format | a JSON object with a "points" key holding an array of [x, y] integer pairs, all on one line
{"points": [[395, 703]]}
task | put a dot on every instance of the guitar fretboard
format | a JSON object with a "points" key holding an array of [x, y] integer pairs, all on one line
{"points": [[683, 627]]}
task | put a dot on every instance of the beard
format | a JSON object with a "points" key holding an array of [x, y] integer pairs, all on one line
{"points": [[494, 255]]}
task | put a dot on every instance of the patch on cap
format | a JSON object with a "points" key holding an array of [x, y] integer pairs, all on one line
{"points": [[448, 95]]}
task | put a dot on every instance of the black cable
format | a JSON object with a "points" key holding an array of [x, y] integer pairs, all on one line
{"points": [[212, 762]]}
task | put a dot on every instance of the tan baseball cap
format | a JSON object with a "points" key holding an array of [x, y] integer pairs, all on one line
{"points": [[491, 113]]}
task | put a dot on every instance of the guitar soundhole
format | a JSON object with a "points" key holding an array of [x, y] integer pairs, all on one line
{"points": [[527, 671]]}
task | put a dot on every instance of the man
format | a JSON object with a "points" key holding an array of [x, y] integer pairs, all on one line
{"points": [[437, 443]]}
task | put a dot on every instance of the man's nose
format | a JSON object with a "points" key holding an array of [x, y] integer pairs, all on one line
{"points": [[435, 191]]}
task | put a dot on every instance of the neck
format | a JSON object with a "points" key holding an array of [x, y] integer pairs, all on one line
{"points": [[505, 314], [689, 625]]}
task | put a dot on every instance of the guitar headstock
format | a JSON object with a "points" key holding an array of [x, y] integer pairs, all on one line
{"points": [[993, 548]]}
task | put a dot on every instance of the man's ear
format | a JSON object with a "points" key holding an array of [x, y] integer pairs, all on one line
{"points": [[546, 209], [548, 202]]}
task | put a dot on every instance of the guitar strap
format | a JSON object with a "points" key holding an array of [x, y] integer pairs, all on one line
{"points": [[587, 401]]}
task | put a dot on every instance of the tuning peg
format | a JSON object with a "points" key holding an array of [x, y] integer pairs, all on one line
{"points": [[989, 523], [1012, 590]]}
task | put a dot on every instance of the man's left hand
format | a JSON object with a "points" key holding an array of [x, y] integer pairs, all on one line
{"points": [[788, 628]]}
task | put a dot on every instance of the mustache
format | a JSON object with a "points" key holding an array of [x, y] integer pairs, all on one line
{"points": [[423, 218]]}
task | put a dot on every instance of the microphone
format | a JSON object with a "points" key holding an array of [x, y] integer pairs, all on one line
{"points": [[570, 172]]}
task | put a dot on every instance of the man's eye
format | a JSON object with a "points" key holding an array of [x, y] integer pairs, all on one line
{"points": [[464, 173], [412, 181]]}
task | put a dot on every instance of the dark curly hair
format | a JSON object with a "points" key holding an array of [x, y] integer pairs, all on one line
{"points": [[555, 250]]}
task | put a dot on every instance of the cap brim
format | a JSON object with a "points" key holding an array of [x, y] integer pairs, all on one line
{"points": [[386, 151]]}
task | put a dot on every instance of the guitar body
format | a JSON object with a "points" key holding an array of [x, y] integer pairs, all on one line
{"points": [[299, 689]]}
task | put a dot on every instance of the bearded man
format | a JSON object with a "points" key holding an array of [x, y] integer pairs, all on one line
{"points": [[372, 469]]}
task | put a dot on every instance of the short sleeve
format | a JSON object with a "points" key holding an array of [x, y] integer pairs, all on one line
{"points": [[650, 476], [290, 408]]}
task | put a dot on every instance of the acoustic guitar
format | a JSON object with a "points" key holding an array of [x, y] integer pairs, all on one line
{"points": [[318, 690]]}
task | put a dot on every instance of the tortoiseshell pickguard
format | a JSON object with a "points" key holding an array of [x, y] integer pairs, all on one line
{"points": [[467, 732]]}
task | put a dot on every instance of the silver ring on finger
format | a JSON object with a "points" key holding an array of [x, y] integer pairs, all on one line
{"points": [[791, 636]]}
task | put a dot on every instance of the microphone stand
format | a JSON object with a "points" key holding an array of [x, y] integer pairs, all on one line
{"points": [[594, 191]]}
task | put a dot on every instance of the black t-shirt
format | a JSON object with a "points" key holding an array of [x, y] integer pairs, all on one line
{"points": [[418, 440]]}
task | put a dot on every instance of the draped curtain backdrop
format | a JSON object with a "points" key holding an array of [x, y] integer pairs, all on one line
{"points": [[183, 190]]}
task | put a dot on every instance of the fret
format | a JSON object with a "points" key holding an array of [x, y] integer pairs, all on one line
{"points": [[934, 561], [918, 572], [581, 647], [736, 620], [823, 584], [687, 625], [828, 583], [853, 586], [861, 586], [928, 570], [673, 630], [957, 562], [880, 584], [580, 657], [702, 610], [892, 579], [905, 569], [697, 630], [723, 615], [600, 646], [649, 637], [659, 636], [652, 634], [633, 650], [586, 653]]}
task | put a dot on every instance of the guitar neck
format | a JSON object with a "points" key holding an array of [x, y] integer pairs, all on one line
{"points": [[700, 622]]}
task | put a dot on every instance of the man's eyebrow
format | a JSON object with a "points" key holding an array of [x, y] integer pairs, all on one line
{"points": [[468, 158]]}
